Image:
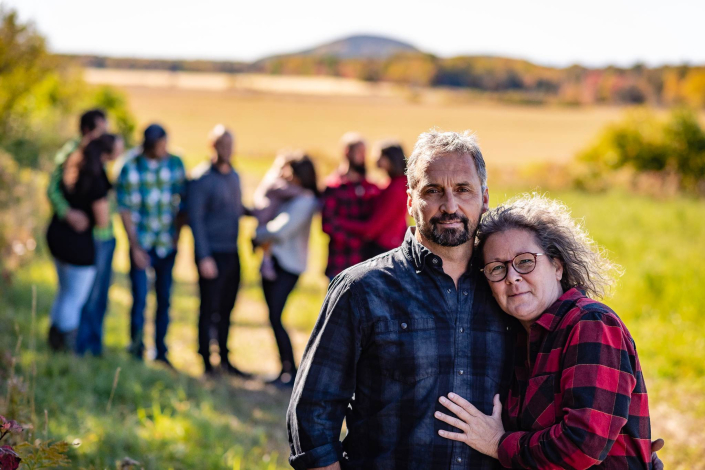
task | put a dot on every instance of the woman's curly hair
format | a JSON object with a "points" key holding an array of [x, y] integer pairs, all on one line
{"points": [[563, 238]]}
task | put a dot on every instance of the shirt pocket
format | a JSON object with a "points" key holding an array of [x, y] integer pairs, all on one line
{"points": [[539, 411], [406, 350]]}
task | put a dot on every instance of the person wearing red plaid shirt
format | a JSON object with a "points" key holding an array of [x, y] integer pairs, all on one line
{"points": [[577, 397], [348, 196]]}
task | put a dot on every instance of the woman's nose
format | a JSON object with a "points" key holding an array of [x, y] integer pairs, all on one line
{"points": [[512, 275]]}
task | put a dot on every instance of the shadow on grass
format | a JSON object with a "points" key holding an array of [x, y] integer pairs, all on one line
{"points": [[156, 416]]}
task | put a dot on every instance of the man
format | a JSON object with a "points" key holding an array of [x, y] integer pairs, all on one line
{"points": [[150, 191], [214, 209], [397, 332], [348, 196], [92, 125]]}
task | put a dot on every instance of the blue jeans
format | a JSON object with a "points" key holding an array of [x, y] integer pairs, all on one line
{"points": [[90, 330], [162, 285], [75, 284]]}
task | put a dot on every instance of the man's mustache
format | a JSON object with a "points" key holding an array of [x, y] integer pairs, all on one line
{"points": [[449, 218]]}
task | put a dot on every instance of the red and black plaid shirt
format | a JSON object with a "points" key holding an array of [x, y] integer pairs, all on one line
{"points": [[580, 401], [345, 200]]}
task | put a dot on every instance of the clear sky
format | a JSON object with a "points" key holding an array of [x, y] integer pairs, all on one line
{"points": [[551, 32]]}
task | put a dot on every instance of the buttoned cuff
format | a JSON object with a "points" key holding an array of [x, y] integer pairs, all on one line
{"points": [[321, 456], [508, 448]]}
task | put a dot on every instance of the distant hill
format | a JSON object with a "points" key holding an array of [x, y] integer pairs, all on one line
{"points": [[361, 47]]}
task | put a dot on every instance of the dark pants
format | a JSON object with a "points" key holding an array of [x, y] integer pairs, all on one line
{"points": [[90, 330], [275, 294], [217, 301], [162, 286]]}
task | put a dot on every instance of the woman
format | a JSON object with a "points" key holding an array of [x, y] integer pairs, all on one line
{"points": [[386, 227], [287, 235], [85, 186], [577, 398]]}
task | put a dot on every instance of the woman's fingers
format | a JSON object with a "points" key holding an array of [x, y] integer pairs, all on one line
{"points": [[459, 411], [455, 422], [454, 436], [464, 404]]}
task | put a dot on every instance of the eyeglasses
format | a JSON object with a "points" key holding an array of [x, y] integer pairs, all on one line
{"points": [[523, 263]]}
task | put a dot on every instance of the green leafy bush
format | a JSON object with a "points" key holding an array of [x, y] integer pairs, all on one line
{"points": [[673, 147]]}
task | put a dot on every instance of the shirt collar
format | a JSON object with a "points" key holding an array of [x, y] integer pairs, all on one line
{"points": [[421, 256], [552, 317], [417, 253]]}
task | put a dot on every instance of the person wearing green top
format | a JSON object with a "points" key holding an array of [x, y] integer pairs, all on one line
{"points": [[93, 123]]}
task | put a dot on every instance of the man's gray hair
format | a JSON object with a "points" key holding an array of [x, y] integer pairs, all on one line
{"points": [[560, 236], [435, 142]]}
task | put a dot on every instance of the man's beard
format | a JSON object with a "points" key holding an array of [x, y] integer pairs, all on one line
{"points": [[359, 169], [434, 232]]}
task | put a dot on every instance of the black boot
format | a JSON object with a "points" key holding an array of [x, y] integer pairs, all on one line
{"points": [[230, 369], [285, 380], [56, 339], [208, 367]]}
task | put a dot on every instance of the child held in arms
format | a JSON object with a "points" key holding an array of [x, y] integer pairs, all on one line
{"points": [[274, 190]]}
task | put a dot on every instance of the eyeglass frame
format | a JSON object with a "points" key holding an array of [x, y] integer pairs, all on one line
{"points": [[506, 265]]}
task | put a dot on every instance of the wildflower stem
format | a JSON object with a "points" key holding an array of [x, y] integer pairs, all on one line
{"points": [[112, 392]]}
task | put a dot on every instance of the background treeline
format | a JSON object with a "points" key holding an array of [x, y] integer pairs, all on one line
{"points": [[511, 79], [102, 62]]}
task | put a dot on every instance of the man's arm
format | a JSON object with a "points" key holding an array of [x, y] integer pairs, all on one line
{"points": [[325, 382], [196, 208], [335, 466], [180, 187], [126, 206], [137, 253]]}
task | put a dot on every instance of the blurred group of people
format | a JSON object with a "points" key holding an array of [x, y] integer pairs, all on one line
{"points": [[155, 199]]}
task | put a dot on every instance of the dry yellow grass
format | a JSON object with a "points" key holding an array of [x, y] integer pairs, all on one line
{"points": [[266, 122]]}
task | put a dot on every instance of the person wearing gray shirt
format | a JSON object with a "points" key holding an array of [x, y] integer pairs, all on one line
{"points": [[214, 204]]}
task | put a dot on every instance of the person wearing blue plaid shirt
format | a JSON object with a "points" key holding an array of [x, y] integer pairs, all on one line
{"points": [[150, 192], [400, 330]]}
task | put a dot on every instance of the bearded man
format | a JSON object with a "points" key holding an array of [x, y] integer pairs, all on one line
{"points": [[400, 330]]}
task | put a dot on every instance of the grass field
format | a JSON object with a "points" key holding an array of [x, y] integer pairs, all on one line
{"points": [[180, 421], [265, 123]]}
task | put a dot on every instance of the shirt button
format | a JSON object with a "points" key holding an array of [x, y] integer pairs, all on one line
{"points": [[461, 372], [462, 329], [448, 291], [403, 326], [434, 261], [459, 460], [465, 292]]}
